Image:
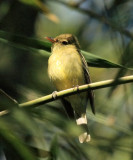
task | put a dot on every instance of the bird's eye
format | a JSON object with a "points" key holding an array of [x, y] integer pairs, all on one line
{"points": [[64, 42]]}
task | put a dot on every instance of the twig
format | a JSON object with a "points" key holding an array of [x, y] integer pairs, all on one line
{"points": [[83, 88], [75, 90], [3, 112]]}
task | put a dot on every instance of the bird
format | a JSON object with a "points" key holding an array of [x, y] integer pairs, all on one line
{"points": [[68, 68]]}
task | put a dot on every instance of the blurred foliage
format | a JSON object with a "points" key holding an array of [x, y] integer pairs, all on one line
{"points": [[103, 28]]}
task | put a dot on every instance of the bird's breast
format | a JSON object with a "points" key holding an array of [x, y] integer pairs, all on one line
{"points": [[65, 70]]}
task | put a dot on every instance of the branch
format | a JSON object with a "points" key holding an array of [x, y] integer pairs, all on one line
{"points": [[75, 90]]}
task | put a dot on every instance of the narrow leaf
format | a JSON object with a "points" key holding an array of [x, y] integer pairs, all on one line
{"points": [[16, 39], [96, 61], [35, 45], [54, 149]]}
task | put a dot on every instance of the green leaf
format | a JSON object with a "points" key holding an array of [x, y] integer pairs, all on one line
{"points": [[14, 144], [96, 61], [23, 41], [126, 60], [54, 149], [39, 152], [35, 45]]}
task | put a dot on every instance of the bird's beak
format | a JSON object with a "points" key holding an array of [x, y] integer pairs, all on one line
{"points": [[50, 39]]}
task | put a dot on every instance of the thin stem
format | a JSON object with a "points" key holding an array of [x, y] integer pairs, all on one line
{"points": [[75, 90]]}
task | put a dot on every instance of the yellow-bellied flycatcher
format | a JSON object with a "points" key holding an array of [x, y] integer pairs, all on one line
{"points": [[67, 68]]}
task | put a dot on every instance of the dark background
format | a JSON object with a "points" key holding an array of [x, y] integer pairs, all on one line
{"points": [[104, 28]]}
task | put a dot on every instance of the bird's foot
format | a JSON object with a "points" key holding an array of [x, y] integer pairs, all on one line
{"points": [[76, 87], [54, 94]]}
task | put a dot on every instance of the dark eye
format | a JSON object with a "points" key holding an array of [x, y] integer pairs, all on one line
{"points": [[64, 42]]}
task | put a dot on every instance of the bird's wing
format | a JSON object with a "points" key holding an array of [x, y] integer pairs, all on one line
{"points": [[87, 79]]}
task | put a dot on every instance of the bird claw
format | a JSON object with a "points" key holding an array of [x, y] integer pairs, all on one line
{"points": [[76, 87], [54, 94]]}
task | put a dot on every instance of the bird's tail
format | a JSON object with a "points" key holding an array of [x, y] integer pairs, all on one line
{"points": [[82, 121]]}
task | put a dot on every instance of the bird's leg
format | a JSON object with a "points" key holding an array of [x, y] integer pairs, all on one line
{"points": [[76, 87], [54, 94]]}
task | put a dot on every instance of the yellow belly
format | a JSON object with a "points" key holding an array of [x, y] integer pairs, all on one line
{"points": [[66, 70]]}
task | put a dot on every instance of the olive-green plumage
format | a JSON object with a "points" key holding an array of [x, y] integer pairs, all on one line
{"points": [[67, 68]]}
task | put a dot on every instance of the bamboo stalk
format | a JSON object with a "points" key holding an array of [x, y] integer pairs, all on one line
{"points": [[75, 90]]}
